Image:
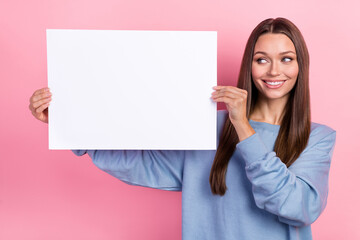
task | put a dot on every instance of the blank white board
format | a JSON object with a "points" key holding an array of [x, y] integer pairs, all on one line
{"points": [[131, 89]]}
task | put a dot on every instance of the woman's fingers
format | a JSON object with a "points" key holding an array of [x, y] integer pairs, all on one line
{"points": [[229, 92], [39, 95], [226, 94], [37, 104], [235, 100], [41, 112], [229, 89], [224, 100], [233, 97], [40, 109], [42, 90]]}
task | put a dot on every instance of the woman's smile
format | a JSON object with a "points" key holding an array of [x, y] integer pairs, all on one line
{"points": [[274, 83]]}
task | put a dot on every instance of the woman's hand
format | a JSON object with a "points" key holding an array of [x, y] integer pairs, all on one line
{"points": [[235, 100], [39, 102]]}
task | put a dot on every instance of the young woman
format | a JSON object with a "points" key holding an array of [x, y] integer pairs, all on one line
{"points": [[268, 178]]}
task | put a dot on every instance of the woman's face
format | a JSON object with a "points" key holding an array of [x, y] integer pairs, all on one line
{"points": [[274, 67]]}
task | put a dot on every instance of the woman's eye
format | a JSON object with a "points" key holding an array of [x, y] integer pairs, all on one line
{"points": [[287, 59], [261, 60]]}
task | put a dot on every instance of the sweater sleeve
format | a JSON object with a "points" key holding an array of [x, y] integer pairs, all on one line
{"points": [[161, 169], [298, 194], [147, 168]]}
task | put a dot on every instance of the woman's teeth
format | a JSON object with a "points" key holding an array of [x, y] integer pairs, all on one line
{"points": [[274, 83]]}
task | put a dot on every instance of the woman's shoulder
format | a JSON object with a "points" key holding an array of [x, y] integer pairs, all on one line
{"points": [[320, 130], [321, 136]]}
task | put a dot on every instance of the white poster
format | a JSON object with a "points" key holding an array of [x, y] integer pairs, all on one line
{"points": [[130, 89]]}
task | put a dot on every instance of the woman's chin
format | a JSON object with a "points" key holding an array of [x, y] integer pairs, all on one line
{"points": [[273, 96]]}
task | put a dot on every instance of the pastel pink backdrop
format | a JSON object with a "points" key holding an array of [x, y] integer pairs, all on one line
{"points": [[56, 195]]}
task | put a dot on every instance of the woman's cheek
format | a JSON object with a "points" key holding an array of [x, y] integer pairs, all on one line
{"points": [[256, 73], [293, 71]]}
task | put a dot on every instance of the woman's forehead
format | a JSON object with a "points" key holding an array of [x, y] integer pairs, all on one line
{"points": [[274, 43]]}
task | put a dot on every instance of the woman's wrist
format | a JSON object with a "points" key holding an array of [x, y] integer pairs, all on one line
{"points": [[243, 129]]}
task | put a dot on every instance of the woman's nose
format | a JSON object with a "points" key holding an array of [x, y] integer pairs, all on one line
{"points": [[274, 69]]}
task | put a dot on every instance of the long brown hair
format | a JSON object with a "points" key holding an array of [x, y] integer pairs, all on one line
{"points": [[296, 120]]}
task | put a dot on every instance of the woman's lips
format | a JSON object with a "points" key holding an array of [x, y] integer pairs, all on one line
{"points": [[274, 86]]}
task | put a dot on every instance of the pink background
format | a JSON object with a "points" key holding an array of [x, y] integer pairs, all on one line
{"points": [[57, 195]]}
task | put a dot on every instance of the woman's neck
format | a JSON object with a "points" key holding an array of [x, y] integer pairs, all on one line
{"points": [[269, 110]]}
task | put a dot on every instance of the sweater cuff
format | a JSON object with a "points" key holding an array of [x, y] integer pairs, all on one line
{"points": [[252, 149], [79, 152]]}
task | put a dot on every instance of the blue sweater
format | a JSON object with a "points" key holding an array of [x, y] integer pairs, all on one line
{"points": [[264, 200]]}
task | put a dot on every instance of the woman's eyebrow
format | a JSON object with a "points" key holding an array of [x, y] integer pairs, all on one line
{"points": [[259, 52], [282, 53]]}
